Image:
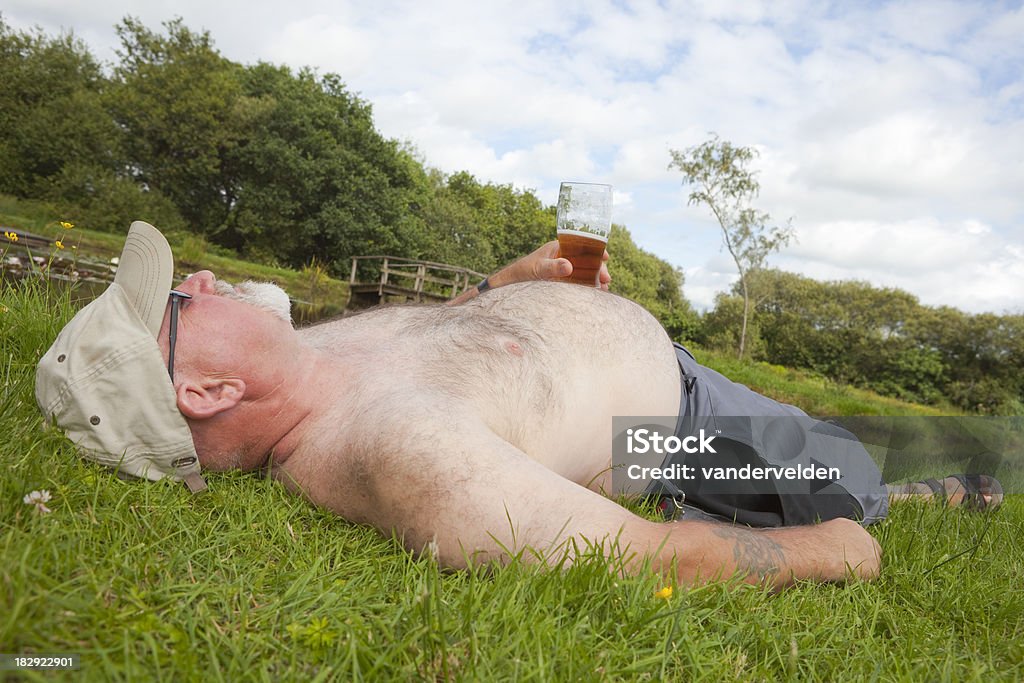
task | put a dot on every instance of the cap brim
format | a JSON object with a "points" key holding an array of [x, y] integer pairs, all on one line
{"points": [[145, 273]]}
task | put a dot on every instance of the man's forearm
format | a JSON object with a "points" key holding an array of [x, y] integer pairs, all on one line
{"points": [[500, 278], [832, 551], [470, 293]]}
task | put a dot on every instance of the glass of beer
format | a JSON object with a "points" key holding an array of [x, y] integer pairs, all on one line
{"points": [[584, 221]]}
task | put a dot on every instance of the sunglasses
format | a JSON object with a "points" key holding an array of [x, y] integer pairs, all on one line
{"points": [[176, 299]]}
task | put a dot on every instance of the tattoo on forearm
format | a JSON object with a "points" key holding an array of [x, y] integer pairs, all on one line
{"points": [[753, 551]]}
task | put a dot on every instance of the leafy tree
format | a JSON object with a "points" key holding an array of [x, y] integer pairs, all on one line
{"points": [[722, 181], [279, 166], [313, 177], [721, 326], [651, 282], [883, 339], [102, 199], [848, 331], [514, 221], [51, 113], [448, 226], [478, 225], [173, 97]]}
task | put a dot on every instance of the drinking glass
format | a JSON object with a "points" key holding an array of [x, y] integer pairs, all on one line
{"points": [[584, 222]]}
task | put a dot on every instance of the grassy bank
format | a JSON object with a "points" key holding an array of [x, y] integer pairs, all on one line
{"points": [[317, 294], [146, 582], [813, 393]]}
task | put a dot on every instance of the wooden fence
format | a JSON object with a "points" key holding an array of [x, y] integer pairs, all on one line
{"points": [[378, 279]]}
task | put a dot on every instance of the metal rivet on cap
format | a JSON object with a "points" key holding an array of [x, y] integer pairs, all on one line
{"points": [[60, 358], [95, 419]]}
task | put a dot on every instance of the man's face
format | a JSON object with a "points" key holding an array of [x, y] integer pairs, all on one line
{"points": [[222, 319]]}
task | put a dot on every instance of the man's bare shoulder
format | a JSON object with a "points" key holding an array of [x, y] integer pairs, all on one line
{"points": [[385, 445]]}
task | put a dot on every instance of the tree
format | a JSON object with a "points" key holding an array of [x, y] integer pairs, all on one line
{"points": [[313, 177], [173, 97], [59, 143], [725, 184], [51, 113], [651, 282]]}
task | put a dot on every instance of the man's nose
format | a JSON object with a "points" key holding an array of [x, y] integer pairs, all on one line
{"points": [[198, 283]]}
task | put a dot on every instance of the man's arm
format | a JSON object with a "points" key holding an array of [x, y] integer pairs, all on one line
{"points": [[473, 497], [541, 264], [836, 550]]}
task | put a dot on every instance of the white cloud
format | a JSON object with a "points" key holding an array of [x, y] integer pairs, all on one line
{"points": [[898, 155], [324, 39], [944, 264], [891, 132], [907, 248]]}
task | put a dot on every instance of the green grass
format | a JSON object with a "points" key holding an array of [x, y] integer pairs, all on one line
{"points": [[247, 582], [815, 394]]}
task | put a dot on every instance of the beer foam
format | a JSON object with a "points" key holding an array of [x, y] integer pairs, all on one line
{"points": [[585, 234]]}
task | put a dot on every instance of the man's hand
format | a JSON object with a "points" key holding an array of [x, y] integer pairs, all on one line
{"points": [[544, 263], [541, 264], [854, 551]]}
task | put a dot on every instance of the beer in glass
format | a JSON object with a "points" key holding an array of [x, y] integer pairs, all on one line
{"points": [[584, 221]]}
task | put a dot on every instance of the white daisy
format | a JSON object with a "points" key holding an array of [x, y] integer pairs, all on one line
{"points": [[39, 499]]}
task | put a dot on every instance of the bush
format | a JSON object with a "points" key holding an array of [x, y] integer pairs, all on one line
{"points": [[97, 199]]}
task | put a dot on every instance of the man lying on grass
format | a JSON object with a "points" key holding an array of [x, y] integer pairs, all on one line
{"points": [[473, 430]]}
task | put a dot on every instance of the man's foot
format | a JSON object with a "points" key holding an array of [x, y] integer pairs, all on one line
{"points": [[972, 491]]}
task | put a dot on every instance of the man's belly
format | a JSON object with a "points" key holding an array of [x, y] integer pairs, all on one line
{"points": [[576, 442], [559, 363]]}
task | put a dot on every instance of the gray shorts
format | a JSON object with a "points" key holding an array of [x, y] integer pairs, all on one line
{"points": [[765, 432]]}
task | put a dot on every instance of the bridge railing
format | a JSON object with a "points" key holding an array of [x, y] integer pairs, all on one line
{"points": [[409, 278]]}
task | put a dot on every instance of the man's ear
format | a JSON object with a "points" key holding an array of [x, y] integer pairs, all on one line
{"points": [[202, 400]]}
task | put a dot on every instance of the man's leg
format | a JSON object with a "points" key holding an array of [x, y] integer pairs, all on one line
{"points": [[976, 492]]}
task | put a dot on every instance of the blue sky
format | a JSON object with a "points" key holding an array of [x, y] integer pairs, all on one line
{"points": [[891, 133]]}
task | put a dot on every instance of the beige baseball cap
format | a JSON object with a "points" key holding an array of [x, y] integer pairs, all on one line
{"points": [[104, 381]]}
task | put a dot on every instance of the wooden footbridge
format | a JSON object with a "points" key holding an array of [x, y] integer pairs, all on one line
{"points": [[381, 279]]}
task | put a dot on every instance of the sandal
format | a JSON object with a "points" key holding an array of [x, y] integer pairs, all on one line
{"points": [[975, 488]]}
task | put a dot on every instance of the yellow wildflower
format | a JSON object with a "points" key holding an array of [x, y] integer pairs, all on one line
{"points": [[665, 593], [12, 236], [60, 245], [66, 225]]}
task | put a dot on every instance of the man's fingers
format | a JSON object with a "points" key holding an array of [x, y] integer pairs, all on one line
{"points": [[549, 269], [868, 554], [547, 265], [604, 278]]}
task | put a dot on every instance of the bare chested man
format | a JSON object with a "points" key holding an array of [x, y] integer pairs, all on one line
{"points": [[475, 430]]}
